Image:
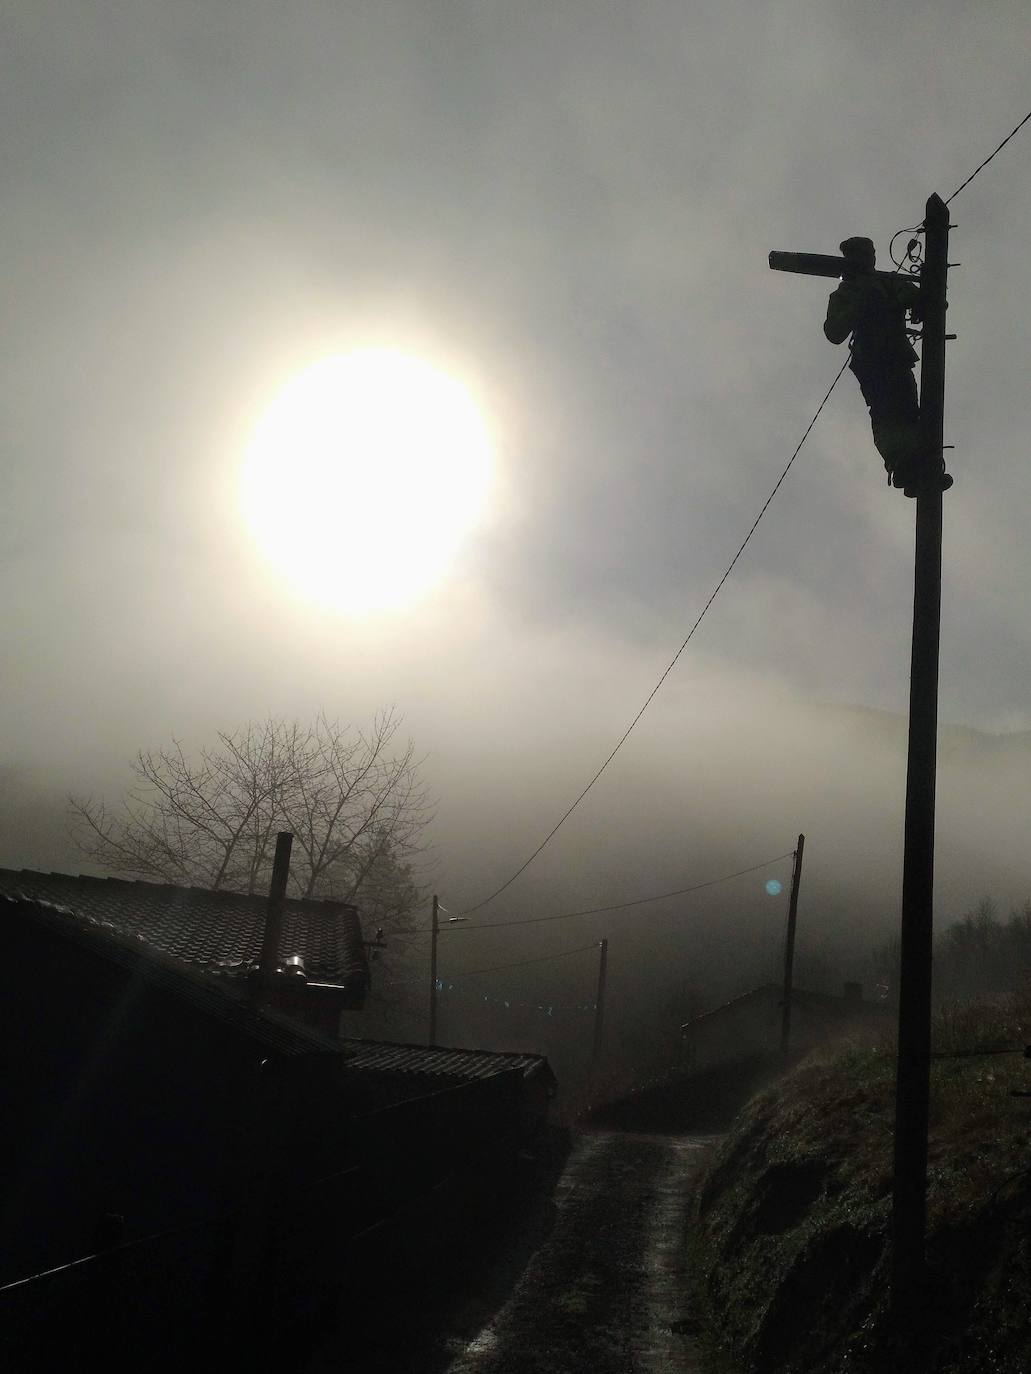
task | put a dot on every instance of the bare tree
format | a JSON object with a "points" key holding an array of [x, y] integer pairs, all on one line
{"points": [[353, 799]]}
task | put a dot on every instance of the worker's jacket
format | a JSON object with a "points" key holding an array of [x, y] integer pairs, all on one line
{"points": [[873, 311]]}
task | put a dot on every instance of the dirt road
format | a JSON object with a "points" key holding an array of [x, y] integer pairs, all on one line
{"points": [[607, 1282]]}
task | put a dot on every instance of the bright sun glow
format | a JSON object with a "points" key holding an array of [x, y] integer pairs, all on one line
{"points": [[363, 476]]}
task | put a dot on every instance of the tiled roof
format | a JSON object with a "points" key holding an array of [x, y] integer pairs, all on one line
{"points": [[217, 932], [224, 1001], [386, 1057]]}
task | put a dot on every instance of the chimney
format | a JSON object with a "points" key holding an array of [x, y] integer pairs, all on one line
{"points": [[274, 911]]}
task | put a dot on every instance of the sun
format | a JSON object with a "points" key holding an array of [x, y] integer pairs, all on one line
{"points": [[363, 476]]}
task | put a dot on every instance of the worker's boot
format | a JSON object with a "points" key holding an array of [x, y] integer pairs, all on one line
{"points": [[940, 480]]}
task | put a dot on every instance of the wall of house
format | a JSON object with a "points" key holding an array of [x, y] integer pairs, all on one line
{"points": [[432, 1173], [120, 1097], [317, 1005]]}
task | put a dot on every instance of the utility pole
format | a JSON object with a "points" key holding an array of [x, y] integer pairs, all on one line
{"points": [[599, 1005], [912, 1084], [434, 932], [434, 935], [789, 948]]}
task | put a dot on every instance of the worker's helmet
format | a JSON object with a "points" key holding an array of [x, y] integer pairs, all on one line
{"points": [[860, 251]]}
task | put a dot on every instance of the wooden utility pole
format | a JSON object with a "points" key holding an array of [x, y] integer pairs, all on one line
{"points": [[434, 932], [789, 949], [909, 1205], [912, 1085], [434, 981], [599, 1004]]}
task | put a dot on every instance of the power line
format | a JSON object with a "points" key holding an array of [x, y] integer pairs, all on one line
{"points": [[972, 1054], [672, 663], [988, 159], [540, 959], [648, 700], [619, 906]]}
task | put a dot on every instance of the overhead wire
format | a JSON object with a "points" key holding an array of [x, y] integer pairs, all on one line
{"points": [[911, 261], [988, 159], [619, 906], [672, 663], [973, 1054], [669, 668], [519, 963]]}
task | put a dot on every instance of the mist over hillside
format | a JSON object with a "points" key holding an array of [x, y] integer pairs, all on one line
{"points": [[701, 793]]}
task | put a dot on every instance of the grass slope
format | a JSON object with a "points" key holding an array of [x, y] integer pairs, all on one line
{"points": [[793, 1215]]}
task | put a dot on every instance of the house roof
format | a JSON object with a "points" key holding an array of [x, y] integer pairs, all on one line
{"points": [[424, 1060], [224, 1001], [216, 932]]}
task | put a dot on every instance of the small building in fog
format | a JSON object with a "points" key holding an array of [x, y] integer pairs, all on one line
{"points": [[749, 1026]]}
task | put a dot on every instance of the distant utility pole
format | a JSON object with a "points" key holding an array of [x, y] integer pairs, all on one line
{"points": [[434, 936], [909, 1213], [434, 933], [789, 948], [599, 1004]]}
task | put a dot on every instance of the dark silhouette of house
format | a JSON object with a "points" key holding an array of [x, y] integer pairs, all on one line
{"points": [[181, 1166], [136, 1087], [323, 969], [421, 1070]]}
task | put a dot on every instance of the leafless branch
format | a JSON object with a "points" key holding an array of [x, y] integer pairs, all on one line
{"points": [[354, 801]]}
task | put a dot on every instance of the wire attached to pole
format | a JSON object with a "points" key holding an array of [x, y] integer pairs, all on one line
{"points": [[988, 159], [673, 661], [648, 700], [521, 963], [621, 906]]}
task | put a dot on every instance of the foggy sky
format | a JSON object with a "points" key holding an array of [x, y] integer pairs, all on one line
{"points": [[571, 207]]}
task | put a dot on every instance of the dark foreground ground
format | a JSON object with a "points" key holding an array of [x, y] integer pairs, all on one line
{"points": [[591, 1276]]}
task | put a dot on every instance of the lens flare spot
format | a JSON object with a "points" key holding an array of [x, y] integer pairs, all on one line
{"points": [[774, 888]]}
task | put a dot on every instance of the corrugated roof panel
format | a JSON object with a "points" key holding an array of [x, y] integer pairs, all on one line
{"points": [[388, 1057], [224, 1001], [219, 932]]}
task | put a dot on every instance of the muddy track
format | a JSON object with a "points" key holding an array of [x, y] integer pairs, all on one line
{"points": [[604, 1287]]}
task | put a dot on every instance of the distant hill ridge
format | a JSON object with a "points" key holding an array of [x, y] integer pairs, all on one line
{"points": [[954, 741]]}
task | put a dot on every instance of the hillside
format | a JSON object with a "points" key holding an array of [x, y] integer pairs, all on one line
{"points": [[793, 1215]]}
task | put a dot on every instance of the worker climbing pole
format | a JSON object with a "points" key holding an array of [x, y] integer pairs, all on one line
{"points": [[872, 307], [873, 310], [909, 436]]}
